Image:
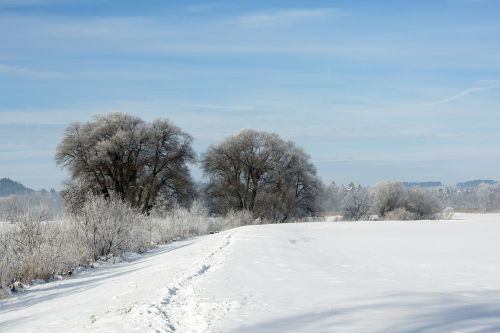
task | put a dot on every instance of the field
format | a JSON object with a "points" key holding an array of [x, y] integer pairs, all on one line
{"points": [[391, 276]]}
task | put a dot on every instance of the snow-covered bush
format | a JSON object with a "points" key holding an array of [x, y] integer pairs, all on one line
{"points": [[399, 214], [106, 226], [7, 263], [35, 249], [178, 223], [422, 204], [237, 218], [393, 202], [447, 213], [388, 196]]}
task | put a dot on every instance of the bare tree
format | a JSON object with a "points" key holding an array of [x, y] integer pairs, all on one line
{"points": [[120, 154], [261, 173], [486, 197], [356, 203]]}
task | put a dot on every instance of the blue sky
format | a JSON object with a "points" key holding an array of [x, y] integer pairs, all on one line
{"points": [[373, 90]]}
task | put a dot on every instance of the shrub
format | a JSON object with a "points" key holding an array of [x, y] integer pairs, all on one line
{"points": [[447, 213], [422, 205], [237, 218], [388, 197], [393, 201], [399, 214], [35, 249], [106, 226]]}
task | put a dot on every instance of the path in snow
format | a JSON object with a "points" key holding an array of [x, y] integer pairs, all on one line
{"points": [[427, 276]]}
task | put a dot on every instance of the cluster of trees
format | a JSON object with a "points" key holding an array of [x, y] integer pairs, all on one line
{"points": [[141, 163], [485, 197], [388, 200]]}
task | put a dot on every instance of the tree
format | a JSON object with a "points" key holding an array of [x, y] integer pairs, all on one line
{"points": [[356, 203], [486, 196], [389, 196], [261, 173], [120, 154]]}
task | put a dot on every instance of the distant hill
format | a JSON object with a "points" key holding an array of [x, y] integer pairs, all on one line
{"points": [[476, 183], [10, 187], [422, 184]]}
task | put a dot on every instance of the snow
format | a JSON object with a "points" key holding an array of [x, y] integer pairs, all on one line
{"points": [[418, 276]]}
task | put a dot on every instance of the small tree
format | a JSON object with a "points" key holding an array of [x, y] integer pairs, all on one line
{"points": [[486, 197], [356, 204]]}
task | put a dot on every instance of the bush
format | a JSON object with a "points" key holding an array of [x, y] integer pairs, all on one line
{"points": [[399, 214], [447, 213], [237, 218], [422, 205], [388, 197], [394, 202], [106, 226], [35, 249]]}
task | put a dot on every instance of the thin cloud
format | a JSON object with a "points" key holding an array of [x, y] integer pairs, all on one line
{"points": [[201, 7], [462, 94], [24, 71], [12, 3], [224, 107], [283, 17]]}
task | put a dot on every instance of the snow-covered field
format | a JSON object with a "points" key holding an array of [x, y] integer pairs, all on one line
{"points": [[427, 276]]}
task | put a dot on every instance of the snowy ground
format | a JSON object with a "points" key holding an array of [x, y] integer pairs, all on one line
{"points": [[316, 277]]}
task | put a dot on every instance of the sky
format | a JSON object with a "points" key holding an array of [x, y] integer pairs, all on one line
{"points": [[372, 90]]}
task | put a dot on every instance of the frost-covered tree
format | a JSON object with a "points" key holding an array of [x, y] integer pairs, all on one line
{"points": [[388, 196], [121, 154], [261, 173], [486, 196], [393, 201], [356, 204]]}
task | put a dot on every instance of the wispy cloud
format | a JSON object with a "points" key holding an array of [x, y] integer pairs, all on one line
{"points": [[201, 7], [12, 3], [461, 94], [224, 107], [283, 17], [25, 71]]}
